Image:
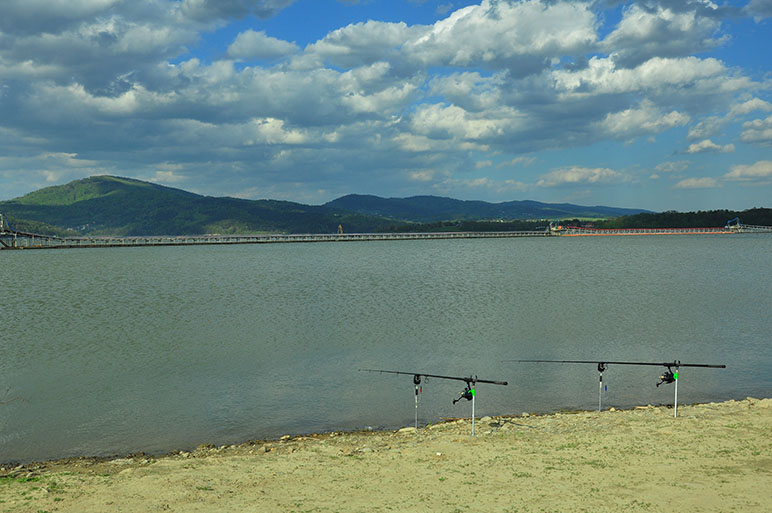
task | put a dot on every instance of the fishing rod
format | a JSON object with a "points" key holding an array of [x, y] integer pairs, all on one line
{"points": [[669, 376], [468, 393]]}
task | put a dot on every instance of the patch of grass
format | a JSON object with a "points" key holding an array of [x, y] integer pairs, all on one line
{"points": [[10, 479], [637, 505], [727, 470]]}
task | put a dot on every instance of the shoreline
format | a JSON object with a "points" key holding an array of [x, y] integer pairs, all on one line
{"points": [[9, 467], [713, 457]]}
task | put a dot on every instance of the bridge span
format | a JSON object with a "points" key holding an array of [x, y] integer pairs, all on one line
{"points": [[20, 240], [14, 239]]}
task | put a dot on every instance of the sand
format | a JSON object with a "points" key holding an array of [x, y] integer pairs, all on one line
{"points": [[713, 457]]}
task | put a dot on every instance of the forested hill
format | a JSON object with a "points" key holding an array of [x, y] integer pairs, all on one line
{"points": [[107, 205], [701, 219], [432, 209]]}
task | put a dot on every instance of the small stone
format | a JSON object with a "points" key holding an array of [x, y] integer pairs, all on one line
{"points": [[612, 409], [285, 437], [407, 430], [485, 419], [525, 415]]}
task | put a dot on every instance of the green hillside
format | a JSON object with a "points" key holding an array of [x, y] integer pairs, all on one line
{"points": [[433, 209], [107, 205]]}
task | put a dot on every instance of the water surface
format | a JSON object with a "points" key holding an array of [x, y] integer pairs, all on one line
{"points": [[116, 350]]}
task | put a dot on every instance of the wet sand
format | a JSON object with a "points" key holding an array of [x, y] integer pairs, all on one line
{"points": [[714, 457]]}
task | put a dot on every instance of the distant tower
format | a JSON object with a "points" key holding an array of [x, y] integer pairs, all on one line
{"points": [[340, 229]]}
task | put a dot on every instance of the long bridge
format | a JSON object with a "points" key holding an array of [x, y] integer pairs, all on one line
{"points": [[15, 239]]}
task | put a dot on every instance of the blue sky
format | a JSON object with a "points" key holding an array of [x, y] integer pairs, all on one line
{"points": [[661, 105]]}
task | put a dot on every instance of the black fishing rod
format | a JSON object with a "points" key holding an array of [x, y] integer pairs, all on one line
{"points": [[669, 376], [468, 393]]}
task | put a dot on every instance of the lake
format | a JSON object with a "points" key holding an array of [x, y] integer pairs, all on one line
{"points": [[118, 350]]}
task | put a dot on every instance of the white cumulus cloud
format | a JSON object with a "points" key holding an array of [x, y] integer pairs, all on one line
{"points": [[708, 146], [521, 34], [673, 167], [252, 44], [697, 183], [644, 33], [646, 118], [581, 175], [758, 131], [760, 170], [750, 106]]}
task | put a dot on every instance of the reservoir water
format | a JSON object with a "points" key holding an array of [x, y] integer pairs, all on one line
{"points": [[115, 351]]}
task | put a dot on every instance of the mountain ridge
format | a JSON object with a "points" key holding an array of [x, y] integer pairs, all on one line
{"points": [[427, 209], [110, 205]]}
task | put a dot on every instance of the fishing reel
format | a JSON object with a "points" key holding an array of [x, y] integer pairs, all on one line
{"points": [[668, 377], [467, 394]]}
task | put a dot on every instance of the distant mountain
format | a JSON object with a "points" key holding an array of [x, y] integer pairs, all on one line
{"points": [[108, 205], [428, 209]]}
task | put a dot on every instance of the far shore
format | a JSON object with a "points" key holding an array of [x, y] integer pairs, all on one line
{"points": [[715, 457]]}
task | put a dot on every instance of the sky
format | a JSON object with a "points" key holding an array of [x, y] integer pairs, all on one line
{"points": [[658, 105]]}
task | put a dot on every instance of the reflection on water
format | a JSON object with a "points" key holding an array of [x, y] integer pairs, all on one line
{"points": [[127, 349]]}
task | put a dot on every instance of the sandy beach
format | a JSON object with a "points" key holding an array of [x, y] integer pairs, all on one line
{"points": [[713, 457]]}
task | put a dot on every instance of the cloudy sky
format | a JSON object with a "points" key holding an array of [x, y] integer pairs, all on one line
{"points": [[661, 104]]}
